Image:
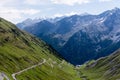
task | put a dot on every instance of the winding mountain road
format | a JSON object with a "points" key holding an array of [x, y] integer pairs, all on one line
{"points": [[17, 73], [3, 76]]}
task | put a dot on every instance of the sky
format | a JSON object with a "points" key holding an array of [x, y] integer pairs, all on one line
{"points": [[19, 10]]}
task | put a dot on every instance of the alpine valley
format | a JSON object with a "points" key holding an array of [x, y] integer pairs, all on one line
{"points": [[79, 38]]}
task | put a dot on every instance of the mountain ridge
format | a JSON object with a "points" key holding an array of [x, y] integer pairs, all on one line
{"points": [[101, 30]]}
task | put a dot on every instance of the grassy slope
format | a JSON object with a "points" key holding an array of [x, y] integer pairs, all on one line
{"points": [[107, 68], [19, 50]]}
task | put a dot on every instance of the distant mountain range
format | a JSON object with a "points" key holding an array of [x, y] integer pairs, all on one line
{"points": [[79, 38]]}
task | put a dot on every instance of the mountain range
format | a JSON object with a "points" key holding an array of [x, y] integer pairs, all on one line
{"points": [[25, 57], [79, 38]]}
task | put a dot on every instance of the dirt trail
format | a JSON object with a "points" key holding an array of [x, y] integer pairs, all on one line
{"points": [[3, 76], [17, 73]]}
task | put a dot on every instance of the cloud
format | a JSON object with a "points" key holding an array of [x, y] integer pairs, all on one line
{"points": [[70, 2], [12, 14], [36, 2], [67, 14], [3, 2], [10, 2], [10, 10], [31, 2], [105, 0]]}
